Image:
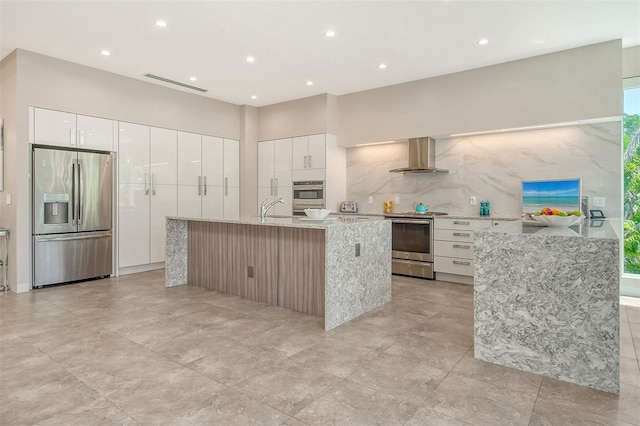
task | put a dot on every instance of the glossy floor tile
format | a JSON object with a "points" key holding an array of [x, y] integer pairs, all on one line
{"points": [[128, 351]]}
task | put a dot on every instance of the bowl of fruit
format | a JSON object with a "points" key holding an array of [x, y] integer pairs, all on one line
{"points": [[557, 217]]}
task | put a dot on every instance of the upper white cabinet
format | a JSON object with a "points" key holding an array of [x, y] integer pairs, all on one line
{"points": [[309, 157], [275, 177], [208, 176], [163, 166], [65, 129]]}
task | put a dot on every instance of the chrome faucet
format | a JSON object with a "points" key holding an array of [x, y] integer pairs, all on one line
{"points": [[264, 209]]}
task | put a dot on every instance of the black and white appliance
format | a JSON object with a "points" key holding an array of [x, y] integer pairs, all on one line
{"points": [[308, 195], [412, 243], [72, 209]]}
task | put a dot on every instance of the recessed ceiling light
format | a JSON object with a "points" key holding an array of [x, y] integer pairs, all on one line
{"points": [[192, 78], [251, 59], [105, 52], [382, 66], [330, 33], [254, 97], [309, 83], [161, 24], [483, 41]]}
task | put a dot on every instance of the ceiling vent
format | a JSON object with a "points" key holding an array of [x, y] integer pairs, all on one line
{"points": [[177, 83]]}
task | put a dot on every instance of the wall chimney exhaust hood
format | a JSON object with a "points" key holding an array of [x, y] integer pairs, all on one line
{"points": [[422, 157]]}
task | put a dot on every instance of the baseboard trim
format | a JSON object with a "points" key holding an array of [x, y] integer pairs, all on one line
{"points": [[454, 278], [140, 268]]}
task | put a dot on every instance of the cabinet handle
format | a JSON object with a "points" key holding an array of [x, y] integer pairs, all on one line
{"points": [[457, 222], [72, 137], [81, 137], [153, 186], [146, 186], [273, 187], [462, 246], [305, 161], [205, 185], [461, 234], [275, 180], [310, 158], [460, 262], [199, 185], [226, 186]]}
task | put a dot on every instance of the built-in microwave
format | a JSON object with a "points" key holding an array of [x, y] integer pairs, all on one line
{"points": [[308, 195]]}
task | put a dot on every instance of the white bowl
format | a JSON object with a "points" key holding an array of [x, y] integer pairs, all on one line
{"points": [[558, 221], [317, 214]]}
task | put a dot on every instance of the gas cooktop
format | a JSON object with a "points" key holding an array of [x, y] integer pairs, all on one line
{"points": [[414, 214]]}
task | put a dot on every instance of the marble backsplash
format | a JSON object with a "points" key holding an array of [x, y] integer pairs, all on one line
{"points": [[491, 167]]}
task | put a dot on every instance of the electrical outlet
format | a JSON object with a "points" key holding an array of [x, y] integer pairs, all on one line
{"points": [[370, 199], [357, 249], [397, 201], [473, 201], [8, 198], [598, 202], [250, 272]]}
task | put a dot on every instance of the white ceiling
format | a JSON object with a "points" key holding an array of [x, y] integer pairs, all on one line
{"points": [[211, 39]]}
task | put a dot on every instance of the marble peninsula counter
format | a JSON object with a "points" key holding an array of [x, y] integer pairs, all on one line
{"points": [[547, 300], [338, 269]]}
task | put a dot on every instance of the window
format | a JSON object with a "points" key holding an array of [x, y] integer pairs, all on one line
{"points": [[631, 162]]}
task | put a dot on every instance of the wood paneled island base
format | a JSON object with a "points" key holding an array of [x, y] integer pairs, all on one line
{"points": [[336, 270]]}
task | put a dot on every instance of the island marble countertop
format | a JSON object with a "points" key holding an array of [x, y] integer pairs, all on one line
{"points": [[593, 228], [292, 222]]}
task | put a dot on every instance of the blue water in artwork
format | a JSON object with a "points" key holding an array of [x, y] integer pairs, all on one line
{"points": [[560, 194]]}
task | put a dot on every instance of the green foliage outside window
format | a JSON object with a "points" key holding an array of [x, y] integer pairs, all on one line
{"points": [[632, 193]]}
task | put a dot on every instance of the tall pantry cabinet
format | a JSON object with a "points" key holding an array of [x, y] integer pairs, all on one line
{"points": [[147, 192], [275, 174]]}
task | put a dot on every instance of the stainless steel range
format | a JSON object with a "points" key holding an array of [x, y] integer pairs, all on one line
{"points": [[412, 243]]}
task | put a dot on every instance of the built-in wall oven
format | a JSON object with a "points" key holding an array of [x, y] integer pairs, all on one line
{"points": [[412, 244], [308, 195]]}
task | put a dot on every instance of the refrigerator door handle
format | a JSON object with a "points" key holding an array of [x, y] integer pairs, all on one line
{"points": [[73, 193], [80, 193]]}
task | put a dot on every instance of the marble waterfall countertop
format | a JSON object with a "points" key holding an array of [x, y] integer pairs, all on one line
{"points": [[546, 300]]}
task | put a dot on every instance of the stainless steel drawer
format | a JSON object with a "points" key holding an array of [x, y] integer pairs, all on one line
{"points": [[462, 250], [412, 268]]}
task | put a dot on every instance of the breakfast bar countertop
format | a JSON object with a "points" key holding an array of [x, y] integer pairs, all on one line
{"points": [[589, 228]]}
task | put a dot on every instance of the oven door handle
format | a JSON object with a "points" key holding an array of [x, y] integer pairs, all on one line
{"points": [[416, 222]]}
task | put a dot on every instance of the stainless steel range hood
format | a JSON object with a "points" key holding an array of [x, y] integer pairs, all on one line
{"points": [[422, 157]]}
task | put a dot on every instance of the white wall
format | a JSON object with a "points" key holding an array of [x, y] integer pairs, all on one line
{"points": [[491, 167], [577, 84], [300, 117]]}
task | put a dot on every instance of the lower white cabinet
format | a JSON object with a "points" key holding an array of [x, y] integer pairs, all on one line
{"points": [[453, 247]]}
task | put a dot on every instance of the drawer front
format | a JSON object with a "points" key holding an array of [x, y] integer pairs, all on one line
{"points": [[453, 235], [468, 224], [412, 268], [463, 250], [453, 265]]}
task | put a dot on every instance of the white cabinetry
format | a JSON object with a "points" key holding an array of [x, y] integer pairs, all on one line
{"points": [[275, 174], [309, 158], [453, 247], [147, 192], [65, 129], [208, 176]]}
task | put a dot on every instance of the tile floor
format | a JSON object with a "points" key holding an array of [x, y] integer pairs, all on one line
{"points": [[130, 351]]}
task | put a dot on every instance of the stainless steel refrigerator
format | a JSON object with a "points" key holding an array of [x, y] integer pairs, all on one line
{"points": [[72, 209]]}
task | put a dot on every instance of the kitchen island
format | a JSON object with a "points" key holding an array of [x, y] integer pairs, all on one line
{"points": [[547, 300], [337, 269]]}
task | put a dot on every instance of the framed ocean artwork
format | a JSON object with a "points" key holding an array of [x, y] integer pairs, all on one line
{"points": [[563, 194]]}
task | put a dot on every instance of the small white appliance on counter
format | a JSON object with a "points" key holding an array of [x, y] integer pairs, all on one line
{"points": [[349, 207]]}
